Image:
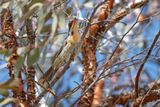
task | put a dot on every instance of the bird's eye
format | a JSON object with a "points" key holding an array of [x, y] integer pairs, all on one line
{"points": [[71, 32]]}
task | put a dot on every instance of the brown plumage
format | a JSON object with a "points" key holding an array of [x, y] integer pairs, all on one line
{"points": [[64, 55]]}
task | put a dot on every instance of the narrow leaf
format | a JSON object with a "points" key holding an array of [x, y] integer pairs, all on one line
{"points": [[33, 57]]}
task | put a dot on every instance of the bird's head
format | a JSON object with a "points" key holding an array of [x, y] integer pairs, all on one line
{"points": [[73, 30], [73, 26]]}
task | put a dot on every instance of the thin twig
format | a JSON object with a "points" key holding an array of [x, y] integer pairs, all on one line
{"points": [[125, 34], [142, 65]]}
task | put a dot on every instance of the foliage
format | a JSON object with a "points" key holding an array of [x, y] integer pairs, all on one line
{"points": [[113, 64]]}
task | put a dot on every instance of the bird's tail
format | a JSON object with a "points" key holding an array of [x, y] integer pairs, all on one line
{"points": [[47, 77]]}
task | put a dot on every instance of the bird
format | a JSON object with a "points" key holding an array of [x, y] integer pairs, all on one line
{"points": [[64, 55]]}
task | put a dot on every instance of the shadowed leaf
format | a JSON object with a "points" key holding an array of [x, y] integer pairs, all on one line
{"points": [[33, 57]]}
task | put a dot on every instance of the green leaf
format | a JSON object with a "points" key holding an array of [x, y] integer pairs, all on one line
{"points": [[5, 101], [20, 62], [62, 21], [12, 83], [4, 92], [41, 21], [44, 55], [31, 10], [46, 28], [54, 25], [89, 5], [69, 11], [22, 50], [33, 57], [6, 52], [48, 16], [35, 1], [5, 5]]}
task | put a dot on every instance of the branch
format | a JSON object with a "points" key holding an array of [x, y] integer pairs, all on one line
{"points": [[123, 99], [142, 65]]}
